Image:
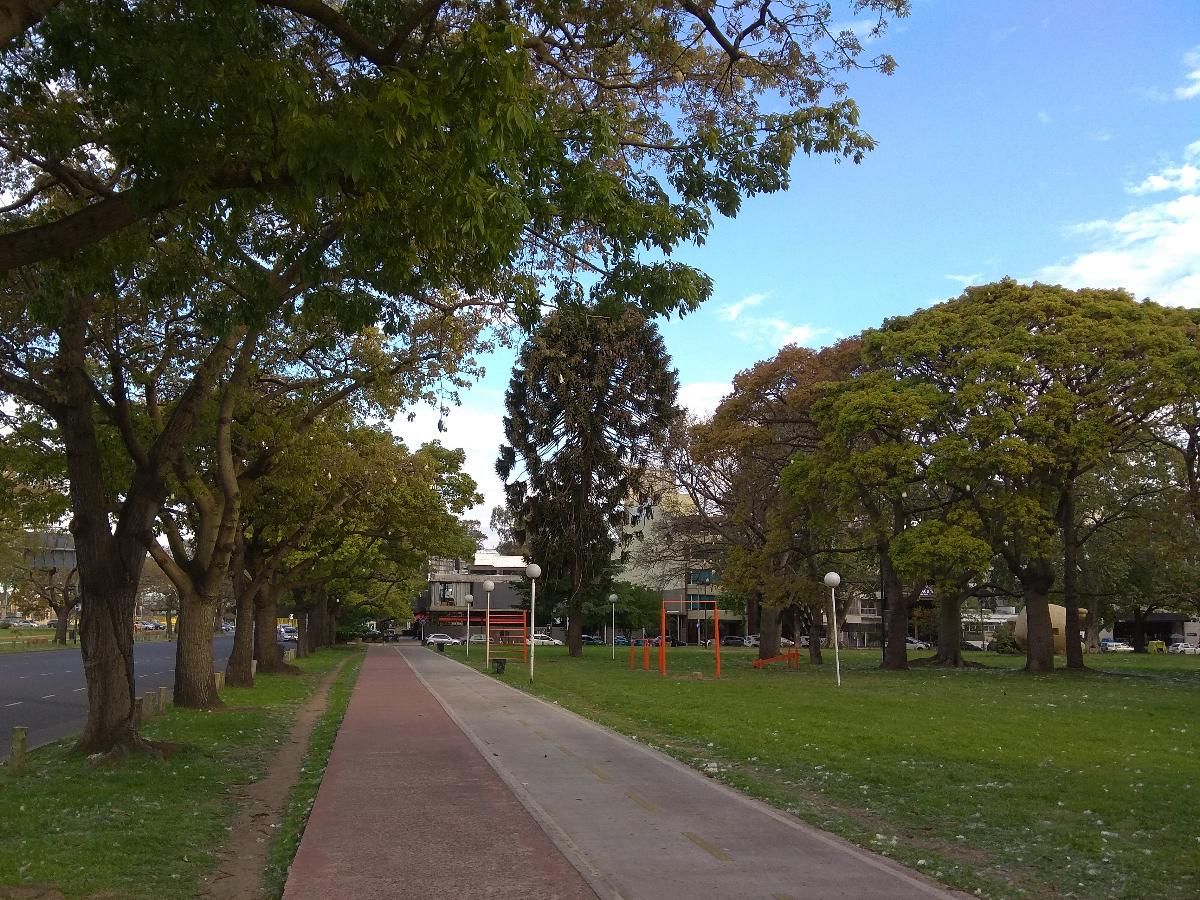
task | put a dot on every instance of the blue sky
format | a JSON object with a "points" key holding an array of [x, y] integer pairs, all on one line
{"points": [[1057, 141]]}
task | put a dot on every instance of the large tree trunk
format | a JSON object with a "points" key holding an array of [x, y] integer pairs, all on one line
{"points": [[949, 644], [63, 613], [106, 643], [302, 648], [575, 628], [1074, 646], [239, 670], [316, 624], [814, 635], [1093, 632], [195, 686], [331, 617], [895, 656], [770, 625], [266, 630], [1036, 580], [109, 565], [753, 612], [1139, 630]]}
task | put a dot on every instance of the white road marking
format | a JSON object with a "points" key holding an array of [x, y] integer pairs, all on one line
{"points": [[18, 703], [77, 690], [44, 674], [48, 696]]}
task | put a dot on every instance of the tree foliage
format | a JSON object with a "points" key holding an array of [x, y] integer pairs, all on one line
{"points": [[591, 398]]}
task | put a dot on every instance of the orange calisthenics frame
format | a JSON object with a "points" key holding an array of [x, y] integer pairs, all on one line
{"points": [[684, 606]]}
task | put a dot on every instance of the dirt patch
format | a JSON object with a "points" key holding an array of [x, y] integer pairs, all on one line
{"points": [[243, 859]]}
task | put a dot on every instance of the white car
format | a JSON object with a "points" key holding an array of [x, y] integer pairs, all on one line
{"points": [[544, 640], [1188, 649], [913, 643], [478, 638], [1115, 647], [441, 639]]}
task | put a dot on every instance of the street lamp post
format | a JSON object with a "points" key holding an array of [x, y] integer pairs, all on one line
{"points": [[488, 587], [470, 603], [613, 598], [832, 580], [533, 572]]}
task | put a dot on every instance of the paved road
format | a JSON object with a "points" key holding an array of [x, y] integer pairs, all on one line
{"points": [[641, 826], [44, 689]]}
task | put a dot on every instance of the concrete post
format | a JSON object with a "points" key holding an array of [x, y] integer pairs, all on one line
{"points": [[150, 705], [220, 677], [163, 699], [16, 759]]}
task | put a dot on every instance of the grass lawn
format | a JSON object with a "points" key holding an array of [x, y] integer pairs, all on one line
{"points": [[19, 640], [1065, 785], [144, 828]]}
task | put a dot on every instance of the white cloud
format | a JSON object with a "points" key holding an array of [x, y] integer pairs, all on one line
{"points": [[701, 398], [476, 429], [1150, 251], [965, 280], [731, 311], [1182, 179], [1190, 89], [776, 333], [1044, 117]]}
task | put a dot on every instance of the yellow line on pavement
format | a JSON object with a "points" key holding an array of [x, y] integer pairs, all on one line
{"points": [[597, 772], [710, 848], [641, 801]]}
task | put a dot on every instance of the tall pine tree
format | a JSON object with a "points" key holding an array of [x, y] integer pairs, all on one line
{"points": [[590, 397]]}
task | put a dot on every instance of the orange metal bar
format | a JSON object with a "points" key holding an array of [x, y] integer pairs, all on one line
{"points": [[645, 655], [662, 642], [717, 637]]}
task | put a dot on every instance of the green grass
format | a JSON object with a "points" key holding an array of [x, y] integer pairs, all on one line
{"points": [[17, 640], [1067, 785], [304, 793], [146, 828]]}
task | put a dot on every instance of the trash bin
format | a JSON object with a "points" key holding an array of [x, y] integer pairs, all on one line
{"points": [[441, 648], [498, 666]]}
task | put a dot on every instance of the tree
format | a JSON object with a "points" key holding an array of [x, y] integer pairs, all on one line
{"points": [[1034, 386], [779, 543], [591, 397], [397, 105], [501, 523], [159, 152]]}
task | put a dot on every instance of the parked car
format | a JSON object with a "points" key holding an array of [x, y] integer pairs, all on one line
{"points": [[441, 639], [973, 645], [478, 638], [913, 644], [1115, 647], [621, 641], [591, 639], [1187, 649], [734, 640], [287, 633], [786, 642], [543, 640], [753, 640], [227, 627]]}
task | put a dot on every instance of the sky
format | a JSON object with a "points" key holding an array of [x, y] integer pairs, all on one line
{"points": [[1048, 140]]}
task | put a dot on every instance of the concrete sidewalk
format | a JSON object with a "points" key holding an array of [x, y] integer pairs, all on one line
{"points": [[409, 808]]}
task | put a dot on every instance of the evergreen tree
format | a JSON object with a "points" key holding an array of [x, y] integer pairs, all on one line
{"points": [[591, 396]]}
